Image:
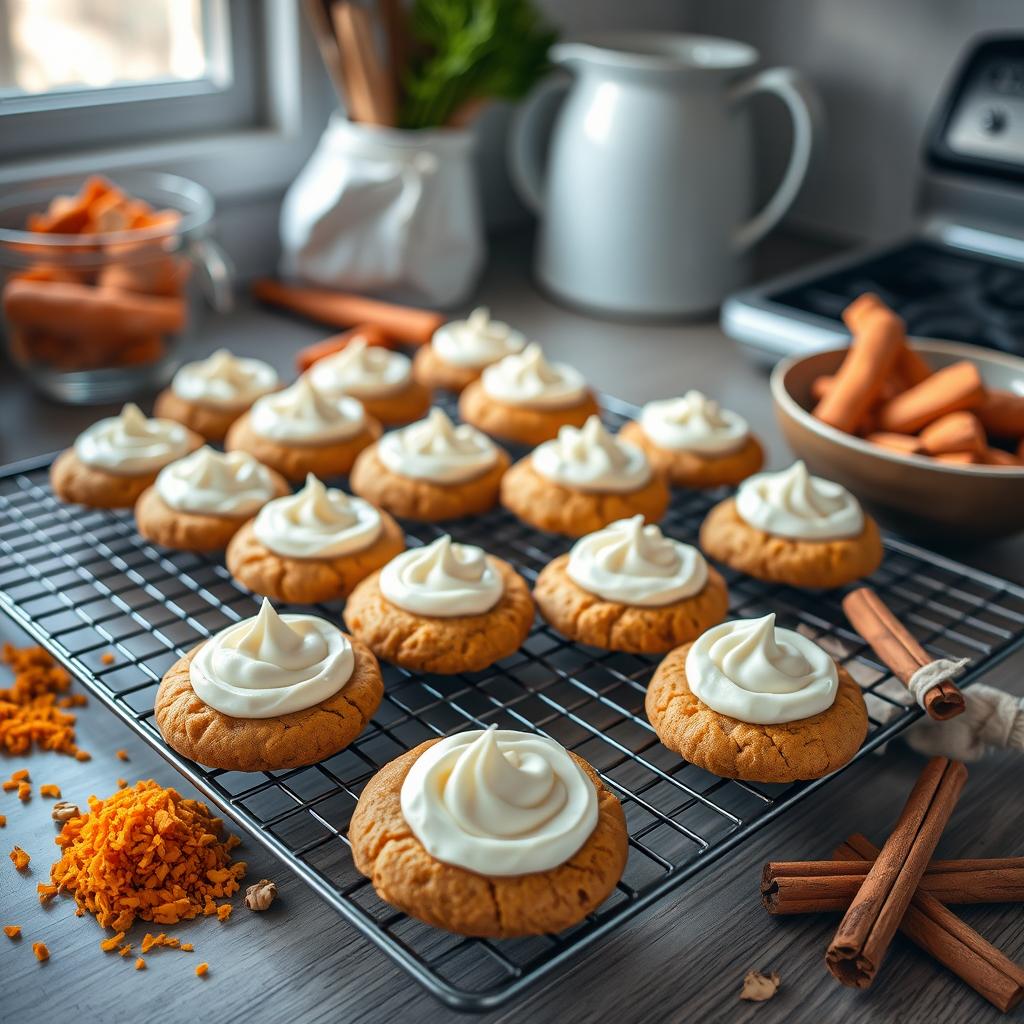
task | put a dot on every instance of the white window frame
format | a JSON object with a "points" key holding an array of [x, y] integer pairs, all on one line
{"points": [[255, 159]]}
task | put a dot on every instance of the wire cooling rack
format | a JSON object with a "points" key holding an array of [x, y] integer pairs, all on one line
{"points": [[83, 583]]}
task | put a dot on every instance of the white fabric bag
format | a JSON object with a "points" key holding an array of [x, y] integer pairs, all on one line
{"points": [[391, 212]]}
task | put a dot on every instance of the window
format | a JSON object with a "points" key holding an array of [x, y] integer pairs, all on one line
{"points": [[98, 73], [58, 46]]}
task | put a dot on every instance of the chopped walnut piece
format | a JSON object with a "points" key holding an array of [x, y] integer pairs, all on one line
{"points": [[260, 895], [64, 810], [758, 987]]}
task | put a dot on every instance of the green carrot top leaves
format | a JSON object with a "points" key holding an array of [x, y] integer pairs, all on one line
{"points": [[467, 52]]}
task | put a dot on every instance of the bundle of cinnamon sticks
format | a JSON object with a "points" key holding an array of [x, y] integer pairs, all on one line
{"points": [[885, 392], [901, 888]]}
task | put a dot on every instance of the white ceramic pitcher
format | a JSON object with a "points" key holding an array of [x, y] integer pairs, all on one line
{"points": [[646, 200]]}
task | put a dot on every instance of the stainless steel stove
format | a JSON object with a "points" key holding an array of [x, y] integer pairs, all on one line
{"points": [[961, 274]]}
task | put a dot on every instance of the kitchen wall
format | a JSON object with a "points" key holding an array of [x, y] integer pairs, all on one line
{"points": [[881, 66]]}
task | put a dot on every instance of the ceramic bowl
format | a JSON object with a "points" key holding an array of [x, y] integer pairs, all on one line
{"points": [[911, 494]]}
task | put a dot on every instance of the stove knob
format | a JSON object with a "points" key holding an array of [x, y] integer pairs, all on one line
{"points": [[993, 120]]}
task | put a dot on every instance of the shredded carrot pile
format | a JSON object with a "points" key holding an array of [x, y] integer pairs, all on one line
{"points": [[19, 858], [29, 711], [146, 852], [12, 931]]}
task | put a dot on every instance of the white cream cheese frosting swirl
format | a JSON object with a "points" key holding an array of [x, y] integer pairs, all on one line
{"points": [[754, 671], [225, 380], [591, 459], [272, 665], [499, 802], [361, 370], [303, 414], [526, 378], [476, 341], [795, 504], [129, 444], [694, 423], [435, 449], [442, 580], [317, 522], [214, 483], [634, 564]]}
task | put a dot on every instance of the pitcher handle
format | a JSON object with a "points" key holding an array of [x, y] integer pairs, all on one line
{"points": [[530, 128], [217, 273], [804, 108]]}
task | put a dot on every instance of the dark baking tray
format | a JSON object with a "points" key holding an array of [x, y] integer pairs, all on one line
{"points": [[82, 582]]}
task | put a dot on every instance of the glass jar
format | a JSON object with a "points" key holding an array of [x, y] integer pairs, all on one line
{"points": [[96, 317]]}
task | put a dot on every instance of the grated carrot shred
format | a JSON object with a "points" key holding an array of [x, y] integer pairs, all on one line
{"points": [[140, 964], [121, 783], [41, 952], [46, 892], [29, 710], [201, 969], [12, 931], [107, 658], [24, 791], [50, 790], [223, 911], [187, 947], [21, 775], [146, 853], [125, 949], [3, 820], [109, 945], [19, 858], [121, 755]]}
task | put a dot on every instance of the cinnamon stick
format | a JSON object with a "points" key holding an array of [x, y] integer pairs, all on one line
{"points": [[893, 643], [342, 309], [823, 886], [863, 937], [929, 924]]}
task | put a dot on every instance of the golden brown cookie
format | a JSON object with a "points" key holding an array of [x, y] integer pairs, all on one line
{"points": [[407, 877], [690, 469], [434, 373], [800, 563], [517, 423], [191, 531], [423, 500], [293, 461], [444, 646], [200, 732], [211, 421], [551, 506], [582, 616], [75, 482], [308, 580], [405, 406], [806, 749]]}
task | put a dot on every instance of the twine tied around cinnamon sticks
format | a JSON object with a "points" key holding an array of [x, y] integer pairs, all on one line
{"points": [[900, 888], [929, 680]]}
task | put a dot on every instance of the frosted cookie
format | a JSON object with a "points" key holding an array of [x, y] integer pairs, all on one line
{"points": [[210, 394], [112, 462], [380, 378], [299, 431], [694, 442], [312, 546], [750, 700], [199, 502], [491, 833], [525, 399], [791, 527], [461, 349], [443, 608], [270, 692], [630, 588], [583, 480], [431, 470]]}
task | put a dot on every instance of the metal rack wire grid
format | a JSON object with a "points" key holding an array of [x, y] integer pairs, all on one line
{"points": [[82, 582]]}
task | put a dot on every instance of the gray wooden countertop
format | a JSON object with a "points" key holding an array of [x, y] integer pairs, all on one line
{"points": [[683, 960]]}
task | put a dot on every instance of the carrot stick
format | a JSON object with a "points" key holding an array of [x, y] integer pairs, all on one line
{"points": [[342, 309]]}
